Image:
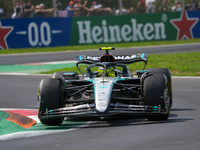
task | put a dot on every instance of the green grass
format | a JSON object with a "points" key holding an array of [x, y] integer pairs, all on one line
{"points": [[180, 64], [94, 46]]}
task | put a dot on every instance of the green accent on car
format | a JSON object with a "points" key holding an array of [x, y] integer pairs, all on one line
{"points": [[142, 70], [142, 55], [68, 73], [92, 80], [80, 57]]}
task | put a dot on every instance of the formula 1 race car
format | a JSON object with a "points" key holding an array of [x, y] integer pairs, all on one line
{"points": [[107, 88]]}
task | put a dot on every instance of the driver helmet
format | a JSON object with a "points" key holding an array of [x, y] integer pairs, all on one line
{"points": [[110, 72]]}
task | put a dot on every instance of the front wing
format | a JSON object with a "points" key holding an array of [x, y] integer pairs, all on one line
{"points": [[88, 110]]}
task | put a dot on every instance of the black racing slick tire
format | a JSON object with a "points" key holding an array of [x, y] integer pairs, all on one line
{"points": [[49, 98], [167, 73], [155, 94]]}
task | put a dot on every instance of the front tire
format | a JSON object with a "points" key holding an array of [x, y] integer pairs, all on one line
{"points": [[49, 98]]}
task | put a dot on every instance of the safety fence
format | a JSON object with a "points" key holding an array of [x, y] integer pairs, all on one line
{"points": [[9, 7], [57, 8], [49, 32]]}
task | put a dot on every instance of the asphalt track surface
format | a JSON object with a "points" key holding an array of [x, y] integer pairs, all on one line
{"points": [[63, 56], [180, 131]]}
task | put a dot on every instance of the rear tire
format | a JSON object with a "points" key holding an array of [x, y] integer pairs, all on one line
{"points": [[49, 98], [167, 73], [155, 93]]}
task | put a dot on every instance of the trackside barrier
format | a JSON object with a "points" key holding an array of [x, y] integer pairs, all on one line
{"points": [[49, 32]]}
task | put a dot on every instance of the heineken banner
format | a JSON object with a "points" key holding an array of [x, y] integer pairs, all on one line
{"points": [[136, 28], [45, 32]]}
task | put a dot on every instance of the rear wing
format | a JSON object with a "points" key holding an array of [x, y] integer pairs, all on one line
{"points": [[125, 59]]}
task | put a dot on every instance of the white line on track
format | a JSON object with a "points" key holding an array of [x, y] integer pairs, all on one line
{"points": [[185, 77], [24, 74], [26, 134], [50, 63], [21, 135]]}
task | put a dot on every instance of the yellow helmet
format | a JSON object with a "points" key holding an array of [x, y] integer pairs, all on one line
{"points": [[110, 72]]}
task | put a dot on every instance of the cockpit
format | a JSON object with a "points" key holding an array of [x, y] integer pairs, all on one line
{"points": [[107, 69]]}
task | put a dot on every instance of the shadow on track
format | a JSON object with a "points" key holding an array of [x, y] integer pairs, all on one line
{"points": [[116, 121]]}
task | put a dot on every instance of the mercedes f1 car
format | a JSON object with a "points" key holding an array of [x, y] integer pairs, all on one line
{"points": [[112, 91]]}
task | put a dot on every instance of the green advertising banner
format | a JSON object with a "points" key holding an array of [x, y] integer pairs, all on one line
{"points": [[133, 28], [45, 32]]}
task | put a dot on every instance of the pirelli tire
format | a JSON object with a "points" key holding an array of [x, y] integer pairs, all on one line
{"points": [[167, 73], [155, 94], [66, 75], [49, 97]]}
